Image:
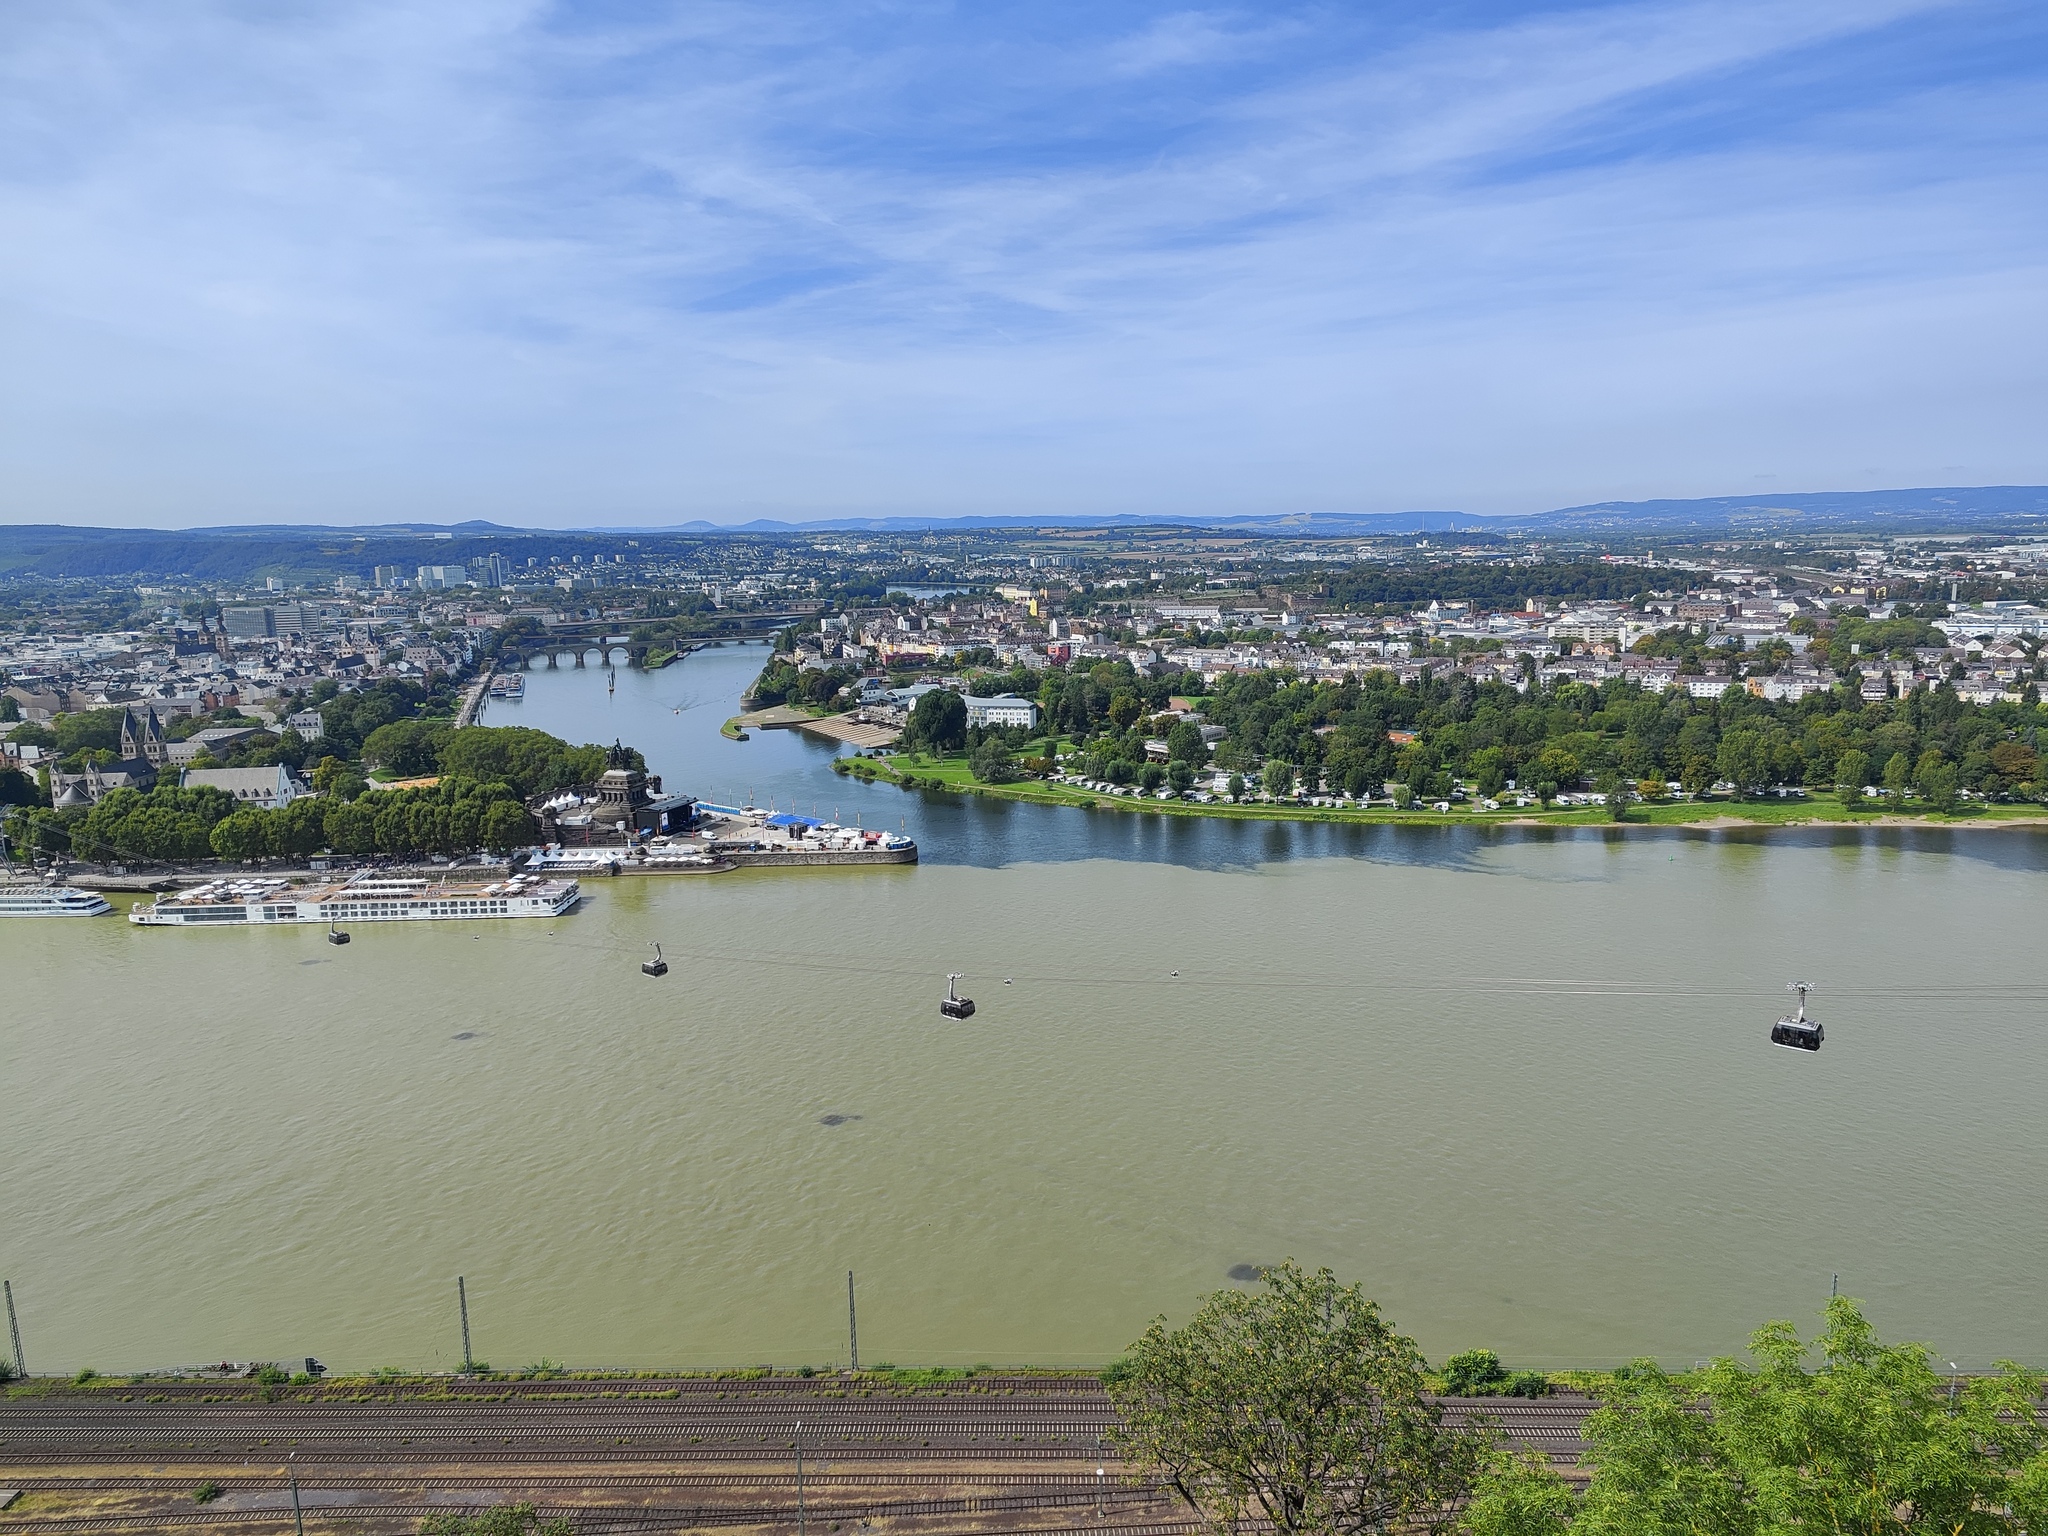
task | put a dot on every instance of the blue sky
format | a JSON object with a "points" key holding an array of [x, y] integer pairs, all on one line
{"points": [[642, 263]]}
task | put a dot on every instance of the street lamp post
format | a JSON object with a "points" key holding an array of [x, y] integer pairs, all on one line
{"points": [[799, 1479], [292, 1471]]}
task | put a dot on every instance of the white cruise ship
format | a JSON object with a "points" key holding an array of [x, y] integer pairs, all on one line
{"points": [[365, 899], [29, 900]]}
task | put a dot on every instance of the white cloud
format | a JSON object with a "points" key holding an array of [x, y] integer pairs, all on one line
{"points": [[491, 259]]}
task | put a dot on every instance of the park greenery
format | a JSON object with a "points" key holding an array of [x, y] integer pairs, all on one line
{"points": [[1441, 735], [477, 783], [1299, 1405]]}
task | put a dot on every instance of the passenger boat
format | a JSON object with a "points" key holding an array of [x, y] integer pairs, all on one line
{"points": [[365, 899], [27, 899]]}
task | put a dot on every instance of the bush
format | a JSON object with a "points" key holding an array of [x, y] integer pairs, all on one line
{"points": [[206, 1493], [508, 1520], [1475, 1373], [1479, 1373]]}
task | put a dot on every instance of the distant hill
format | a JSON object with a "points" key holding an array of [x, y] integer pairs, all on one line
{"points": [[1963, 506], [1959, 507], [317, 554]]}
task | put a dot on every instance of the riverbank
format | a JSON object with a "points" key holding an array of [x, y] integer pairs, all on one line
{"points": [[1814, 809], [847, 729]]}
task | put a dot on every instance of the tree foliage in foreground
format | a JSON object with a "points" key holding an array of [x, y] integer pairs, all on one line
{"points": [[1298, 1404], [1868, 1442]]}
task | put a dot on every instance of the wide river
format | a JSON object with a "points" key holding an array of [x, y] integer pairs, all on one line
{"points": [[1516, 1082]]}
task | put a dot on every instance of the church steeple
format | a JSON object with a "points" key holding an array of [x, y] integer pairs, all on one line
{"points": [[143, 736]]}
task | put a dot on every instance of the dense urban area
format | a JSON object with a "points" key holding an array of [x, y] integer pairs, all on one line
{"points": [[293, 694]]}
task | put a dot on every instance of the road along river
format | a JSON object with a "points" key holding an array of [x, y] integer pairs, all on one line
{"points": [[1515, 1081]]}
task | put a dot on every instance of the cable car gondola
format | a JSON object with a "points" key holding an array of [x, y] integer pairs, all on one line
{"points": [[1798, 1033], [336, 935], [655, 967], [952, 1005]]}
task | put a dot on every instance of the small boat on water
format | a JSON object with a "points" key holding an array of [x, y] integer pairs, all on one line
{"points": [[655, 967]]}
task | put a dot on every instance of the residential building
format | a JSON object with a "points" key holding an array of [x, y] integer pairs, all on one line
{"points": [[1005, 709], [260, 788]]}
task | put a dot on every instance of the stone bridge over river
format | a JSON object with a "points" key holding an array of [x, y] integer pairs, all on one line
{"points": [[578, 645]]}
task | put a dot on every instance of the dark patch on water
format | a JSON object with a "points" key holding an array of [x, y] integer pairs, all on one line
{"points": [[467, 1034], [836, 1119], [1247, 1271], [313, 962]]}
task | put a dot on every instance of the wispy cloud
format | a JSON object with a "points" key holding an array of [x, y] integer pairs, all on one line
{"points": [[541, 261]]}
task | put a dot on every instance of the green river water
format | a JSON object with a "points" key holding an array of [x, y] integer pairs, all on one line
{"points": [[1519, 1086]]}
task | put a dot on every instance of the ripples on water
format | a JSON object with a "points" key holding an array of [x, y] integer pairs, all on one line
{"points": [[1534, 1111]]}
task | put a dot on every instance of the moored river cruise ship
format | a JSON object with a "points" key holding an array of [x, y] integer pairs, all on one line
{"points": [[24, 899], [365, 899]]}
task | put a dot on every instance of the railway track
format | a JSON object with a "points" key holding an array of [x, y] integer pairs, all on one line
{"points": [[587, 1516], [717, 1455]]}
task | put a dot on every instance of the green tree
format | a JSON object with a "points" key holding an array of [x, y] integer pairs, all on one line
{"points": [[1235, 788], [1278, 777], [96, 729], [1184, 744], [992, 763], [351, 827], [506, 825], [1616, 793], [298, 829], [242, 837], [1939, 783], [1852, 772], [1150, 777], [1558, 768], [1743, 761], [1869, 1442], [408, 748], [1180, 775], [1299, 1405], [1898, 773], [533, 762], [1489, 765], [938, 723]]}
